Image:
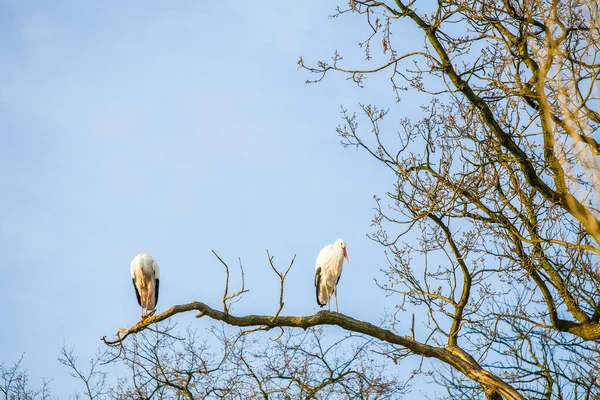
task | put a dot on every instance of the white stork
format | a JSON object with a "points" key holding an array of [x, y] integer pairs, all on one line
{"points": [[328, 270], [145, 275]]}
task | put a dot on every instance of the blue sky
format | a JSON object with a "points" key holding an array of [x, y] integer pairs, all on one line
{"points": [[173, 129]]}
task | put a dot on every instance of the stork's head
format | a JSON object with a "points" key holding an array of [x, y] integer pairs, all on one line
{"points": [[340, 243]]}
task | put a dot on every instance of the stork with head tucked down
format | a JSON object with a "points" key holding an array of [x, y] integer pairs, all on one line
{"points": [[328, 270], [145, 275]]}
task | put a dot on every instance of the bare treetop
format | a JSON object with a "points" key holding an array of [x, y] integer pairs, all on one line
{"points": [[491, 226]]}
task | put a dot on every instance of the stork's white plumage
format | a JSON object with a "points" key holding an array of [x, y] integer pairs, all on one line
{"points": [[328, 270], [145, 275]]}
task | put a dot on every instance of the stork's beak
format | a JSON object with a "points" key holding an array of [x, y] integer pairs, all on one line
{"points": [[346, 255]]}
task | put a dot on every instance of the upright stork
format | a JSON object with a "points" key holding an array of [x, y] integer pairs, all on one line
{"points": [[328, 270], [145, 275]]}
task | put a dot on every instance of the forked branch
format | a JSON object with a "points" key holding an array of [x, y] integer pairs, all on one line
{"points": [[229, 299], [282, 276]]}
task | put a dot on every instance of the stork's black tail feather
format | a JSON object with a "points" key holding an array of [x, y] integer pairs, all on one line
{"points": [[317, 284]]}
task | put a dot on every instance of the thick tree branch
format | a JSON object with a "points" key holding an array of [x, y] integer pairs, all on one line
{"points": [[561, 196], [457, 359]]}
